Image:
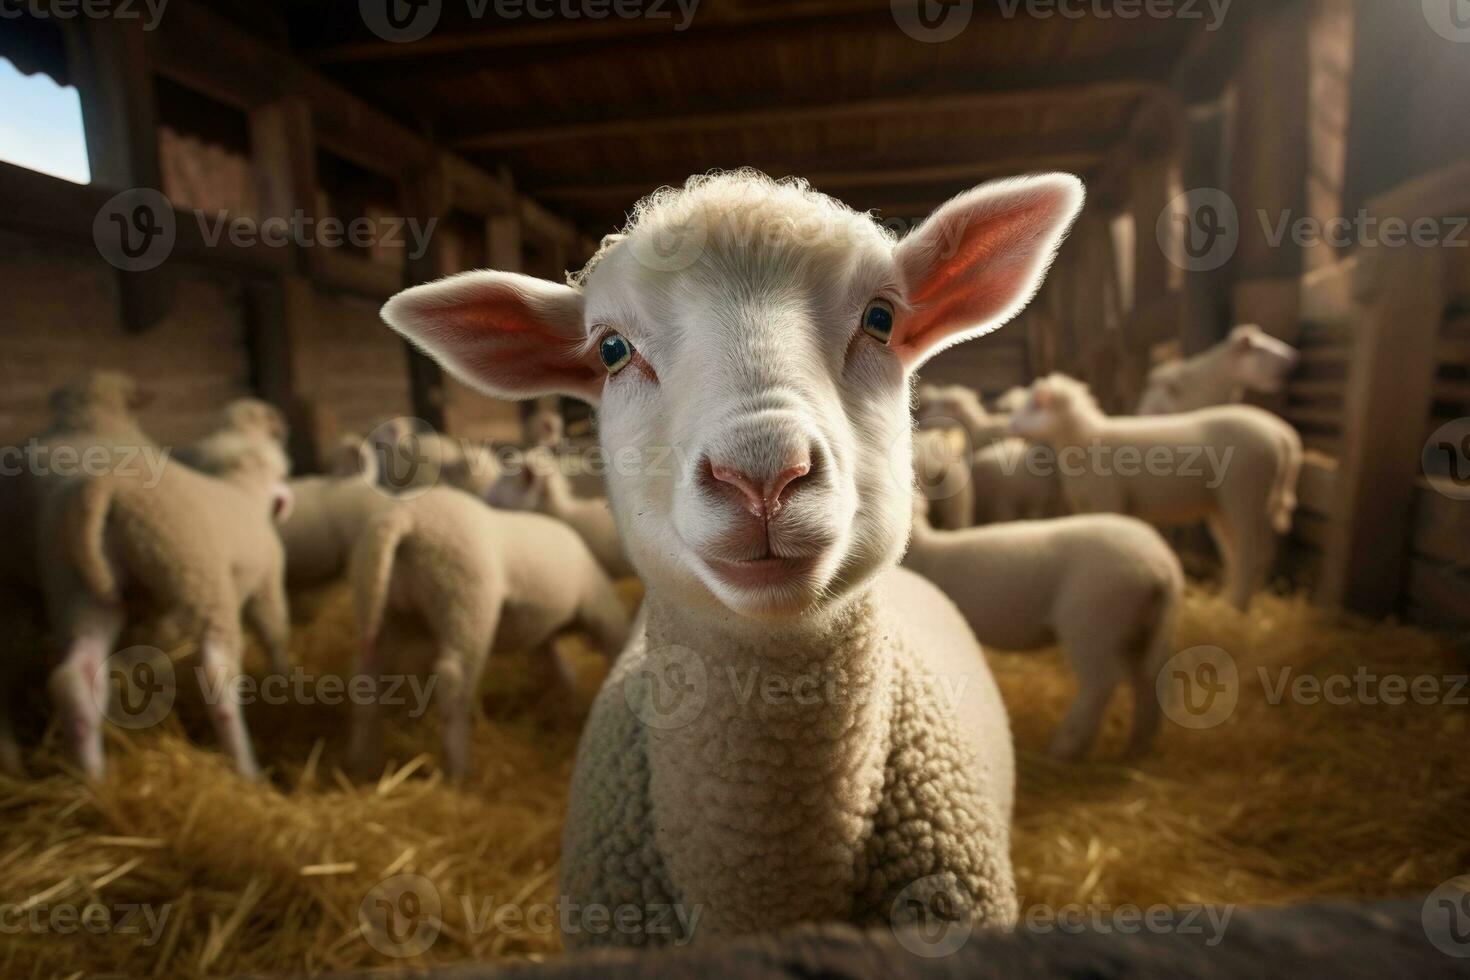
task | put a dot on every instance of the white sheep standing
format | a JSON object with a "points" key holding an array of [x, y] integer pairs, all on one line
{"points": [[535, 481], [942, 466], [93, 429], [418, 460], [1234, 467], [199, 546], [477, 578], [330, 513], [801, 731], [1106, 588], [1015, 480], [1249, 359], [959, 405], [242, 423]]}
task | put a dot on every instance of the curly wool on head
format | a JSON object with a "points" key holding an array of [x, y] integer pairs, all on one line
{"points": [[714, 199]]}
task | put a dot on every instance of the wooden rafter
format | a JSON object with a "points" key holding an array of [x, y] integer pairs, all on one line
{"points": [[613, 126]]}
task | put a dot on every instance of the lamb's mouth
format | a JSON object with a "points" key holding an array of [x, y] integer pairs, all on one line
{"points": [[762, 573]]}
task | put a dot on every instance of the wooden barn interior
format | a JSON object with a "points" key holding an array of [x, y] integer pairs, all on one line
{"points": [[525, 139]]}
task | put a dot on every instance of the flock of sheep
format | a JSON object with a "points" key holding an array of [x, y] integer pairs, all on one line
{"points": [[771, 545]]}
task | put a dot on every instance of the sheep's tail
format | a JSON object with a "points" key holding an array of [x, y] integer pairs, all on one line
{"points": [[1282, 504], [1158, 648], [83, 526], [372, 568]]}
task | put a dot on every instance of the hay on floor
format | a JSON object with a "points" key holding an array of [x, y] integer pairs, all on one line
{"points": [[1279, 803]]}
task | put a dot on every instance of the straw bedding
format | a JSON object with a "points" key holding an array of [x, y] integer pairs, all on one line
{"points": [[1280, 803]]}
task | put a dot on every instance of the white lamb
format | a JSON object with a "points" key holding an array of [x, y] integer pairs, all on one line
{"points": [[961, 406], [538, 483], [1234, 467], [545, 425], [242, 423], [330, 513], [1250, 359], [477, 578], [942, 467], [197, 546], [1015, 480], [801, 731], [424, 459], [1106, 588]]}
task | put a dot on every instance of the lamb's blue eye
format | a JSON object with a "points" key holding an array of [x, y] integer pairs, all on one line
{"points": [[878, 320], [615, 352]]}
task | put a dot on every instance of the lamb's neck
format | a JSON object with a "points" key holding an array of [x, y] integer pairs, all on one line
{"points": [[1209, 381], [1085, 425], [763, 797]]}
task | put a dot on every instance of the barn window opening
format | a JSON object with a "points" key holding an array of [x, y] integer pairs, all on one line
{"points": [[41, 125]]}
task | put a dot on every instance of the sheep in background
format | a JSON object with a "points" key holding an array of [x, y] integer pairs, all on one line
{"points": [[1250, 359], [478, 578], [200, 546], [418, 460], [1106, 588], [330, 513], [775, 364], [537, 483], [942, 468], [1234, 467], [545, 425], [1012, 400], [243, 422], [1015, 480], [941, 404]]}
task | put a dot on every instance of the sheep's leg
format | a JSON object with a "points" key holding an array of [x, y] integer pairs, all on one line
{"points": [[221, 673], [456, 695], [365, 753], [1255, 550], [1223, 534], [604, 616], [1147, 714], [269, 615], [1094, 661], [81, 691]]}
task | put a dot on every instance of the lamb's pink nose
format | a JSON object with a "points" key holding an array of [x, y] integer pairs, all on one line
{"points": [[763, 493]]}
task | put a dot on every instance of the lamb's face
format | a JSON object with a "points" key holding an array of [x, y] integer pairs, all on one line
{"points": [[758, 429], [1049, 412], [750, 344], [1259, 361]]}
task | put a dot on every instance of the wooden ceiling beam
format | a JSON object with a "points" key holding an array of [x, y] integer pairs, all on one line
{"points": [[632, 126], [880, 177]]}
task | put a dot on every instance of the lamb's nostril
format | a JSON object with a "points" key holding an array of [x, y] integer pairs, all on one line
{"points": [[784, 481], [750, 488], [762, 496]]}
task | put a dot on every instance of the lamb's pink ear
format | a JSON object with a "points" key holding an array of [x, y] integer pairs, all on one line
{"points": [[508, 335], [977, 261]]}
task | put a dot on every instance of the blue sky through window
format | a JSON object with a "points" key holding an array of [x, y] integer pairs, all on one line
{"points": [[41, 125]]}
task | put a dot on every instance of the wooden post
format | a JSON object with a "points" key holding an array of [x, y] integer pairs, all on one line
{"points": [[281, 314], [1270, 157], [284, 159], [427, 195], [111, 70], [1389, 391], [1205, 304]]}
